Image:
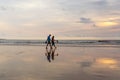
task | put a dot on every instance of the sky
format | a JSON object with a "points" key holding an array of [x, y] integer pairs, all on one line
{"points": [[66, 19]]}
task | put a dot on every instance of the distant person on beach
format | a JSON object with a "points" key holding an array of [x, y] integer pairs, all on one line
{"points": [[48, 41], [53, 41]]}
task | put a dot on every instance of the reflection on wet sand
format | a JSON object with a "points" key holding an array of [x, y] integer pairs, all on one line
{"points": [[74, 63], [50, 54], [107, 62], [100, 63]]}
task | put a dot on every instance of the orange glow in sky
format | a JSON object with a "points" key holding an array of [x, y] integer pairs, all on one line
{"points": [[107, 24]]}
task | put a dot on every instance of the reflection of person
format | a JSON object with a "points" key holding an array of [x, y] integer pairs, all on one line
{"points": [[48, 41], [50, 54], [53, 53], [53, 41]]}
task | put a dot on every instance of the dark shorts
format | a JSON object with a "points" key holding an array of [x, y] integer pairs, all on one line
{"points": [[49, 42], [53, 43]]}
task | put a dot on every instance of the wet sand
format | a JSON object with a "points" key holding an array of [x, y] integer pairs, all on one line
{"points": [[64, 63]]}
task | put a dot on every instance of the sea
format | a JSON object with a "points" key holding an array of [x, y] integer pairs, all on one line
{"points": [[73, 43]]}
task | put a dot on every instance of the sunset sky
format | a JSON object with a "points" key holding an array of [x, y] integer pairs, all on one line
{"points": [[73, 19]]}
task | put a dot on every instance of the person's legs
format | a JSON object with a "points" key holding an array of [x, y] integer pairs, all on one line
{"points": [[50, 46], [49, 43], [53, 44], [46, 45]]}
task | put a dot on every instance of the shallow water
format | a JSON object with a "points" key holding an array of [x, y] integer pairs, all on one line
{"points": [[67, 63]]}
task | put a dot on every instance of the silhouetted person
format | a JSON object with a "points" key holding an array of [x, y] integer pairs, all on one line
{"points": [[53, 41], [48, 41]]}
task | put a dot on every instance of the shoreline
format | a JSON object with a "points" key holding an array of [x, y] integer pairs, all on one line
{"points": [[64, 45]]}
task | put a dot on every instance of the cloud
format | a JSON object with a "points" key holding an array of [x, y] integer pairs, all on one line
{"points": [[100, 2], [99, 5], [94, 25], [88, 21], [85, 20], [6, 8], [35, 17], [115, 20], [100, 23], [107, 24], [3, 8]]}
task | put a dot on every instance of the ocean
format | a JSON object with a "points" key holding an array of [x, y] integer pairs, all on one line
{"points": [[62, 42]]}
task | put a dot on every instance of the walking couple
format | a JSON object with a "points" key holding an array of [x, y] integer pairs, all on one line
{"points": [[50, 41]]}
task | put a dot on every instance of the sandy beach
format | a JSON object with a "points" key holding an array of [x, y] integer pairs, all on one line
{"points": [[68, 63]]}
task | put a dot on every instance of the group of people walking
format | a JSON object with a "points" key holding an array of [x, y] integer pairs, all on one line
{"points": [[50, 41]]}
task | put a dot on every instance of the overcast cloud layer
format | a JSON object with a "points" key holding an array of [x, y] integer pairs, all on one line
{"points": [[35, 19]]}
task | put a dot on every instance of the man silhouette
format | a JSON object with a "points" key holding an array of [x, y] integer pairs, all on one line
{"points": [[48, 41]]}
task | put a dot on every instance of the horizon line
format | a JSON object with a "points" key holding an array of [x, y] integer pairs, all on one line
{"points": [[65, 38]]}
